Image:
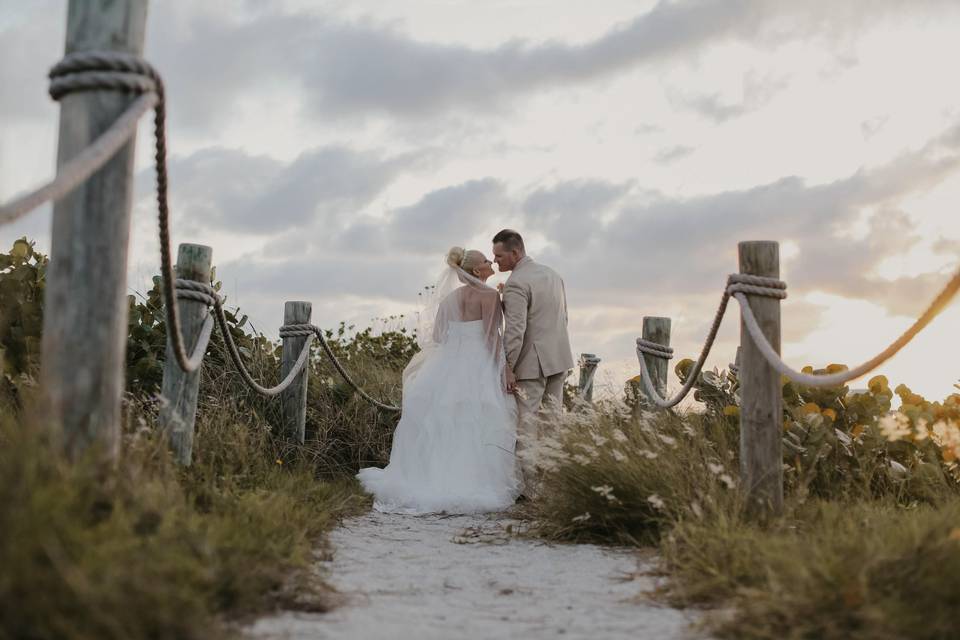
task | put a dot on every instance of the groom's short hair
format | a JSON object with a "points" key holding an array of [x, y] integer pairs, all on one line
{"points": [[510, 240]]}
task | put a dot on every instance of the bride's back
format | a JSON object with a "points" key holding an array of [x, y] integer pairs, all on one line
{"points": [[474, 304]]}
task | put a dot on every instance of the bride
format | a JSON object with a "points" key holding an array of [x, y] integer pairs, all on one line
{"points": [[453, 450]]}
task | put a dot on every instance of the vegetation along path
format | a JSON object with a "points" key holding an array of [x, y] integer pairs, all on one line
{"points": [[438, 577]]}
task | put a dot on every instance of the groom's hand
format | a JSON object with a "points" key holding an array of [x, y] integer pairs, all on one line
{"points": [[511, 381]]}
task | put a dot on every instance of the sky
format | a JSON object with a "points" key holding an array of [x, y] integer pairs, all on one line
{"points": [[332, 151]]}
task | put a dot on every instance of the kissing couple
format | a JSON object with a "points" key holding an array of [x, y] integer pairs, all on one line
{"points": [[489, 366]]}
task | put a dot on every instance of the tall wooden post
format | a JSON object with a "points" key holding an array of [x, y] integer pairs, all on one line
{"points": [[294, 398], [85, 314], [656, 329], [761, 412], [588, 371], [180, 389]]}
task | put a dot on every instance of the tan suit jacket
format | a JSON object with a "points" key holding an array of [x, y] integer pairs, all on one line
{"points": [[535, 314]]}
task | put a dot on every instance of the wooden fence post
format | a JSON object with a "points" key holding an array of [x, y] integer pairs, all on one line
{"points": [[294, 398], [656, 329], [761, 412], [85, 309], [588, 369], [179, 390]]}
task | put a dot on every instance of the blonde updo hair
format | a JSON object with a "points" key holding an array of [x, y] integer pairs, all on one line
{"points": [[468, 260]]}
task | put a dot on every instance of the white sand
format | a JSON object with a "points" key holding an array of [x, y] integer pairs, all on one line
{"points": [[440, 577]]}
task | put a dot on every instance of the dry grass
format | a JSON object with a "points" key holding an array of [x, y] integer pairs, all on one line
{"points": [[864, 565], [148, 550]]}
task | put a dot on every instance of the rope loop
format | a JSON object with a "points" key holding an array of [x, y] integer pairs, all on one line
{"points": [[654, 349], [198, 291]]}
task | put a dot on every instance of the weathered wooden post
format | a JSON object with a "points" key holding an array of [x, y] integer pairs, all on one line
{"points": [[180, 389], [656, 329], [761, 413], [588, 369], [85, 314], [294, 398], [735, 365]]}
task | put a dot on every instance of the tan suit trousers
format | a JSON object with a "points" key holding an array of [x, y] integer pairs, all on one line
{"points": [[536, 399]]}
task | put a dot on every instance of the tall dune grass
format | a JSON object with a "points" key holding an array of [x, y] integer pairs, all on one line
{"points": [[145, 549], [876, 558]]}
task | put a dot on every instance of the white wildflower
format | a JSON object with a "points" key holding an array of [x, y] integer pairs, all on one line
{"points": [[582, 459], [667, 440], [603, 489], [656, 501], [588, 448], [727, 480], [598, 439], [894, 426], [619, 457], [550, 442], [619, 435], [650, 455], [715, 469], [697, 511], [581, 518], [607, 492]]}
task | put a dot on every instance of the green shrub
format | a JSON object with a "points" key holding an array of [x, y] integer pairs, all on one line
{"points": [[149, 550], [145, 549]]}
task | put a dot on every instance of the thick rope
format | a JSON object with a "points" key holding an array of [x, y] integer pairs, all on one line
{"points": [[244, 373], [735, 282], [654, 349], [116, 71], [841, 377], [84, 164], [290, 330], [204, 293]]}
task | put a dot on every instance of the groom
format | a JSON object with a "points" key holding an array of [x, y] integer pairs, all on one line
{"points": [[535, 337]]}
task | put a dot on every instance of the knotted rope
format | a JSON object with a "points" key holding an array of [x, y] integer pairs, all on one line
{"points": [[736, 283], [124, 72], [85, 72], [199, 292], [654, 349], [739, 286]]}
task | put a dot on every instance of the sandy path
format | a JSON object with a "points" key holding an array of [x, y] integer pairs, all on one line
{"points": [[436, 577]]}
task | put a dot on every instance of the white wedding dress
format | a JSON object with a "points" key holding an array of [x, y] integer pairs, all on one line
{"points": [[453, 450]]}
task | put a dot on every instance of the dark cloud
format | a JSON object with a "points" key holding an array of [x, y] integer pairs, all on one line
{"points": [[215, 61], [349, 69], [681, 247], [447, 216], [228, 189], [672, 154], [757, 90], [570, 209]]}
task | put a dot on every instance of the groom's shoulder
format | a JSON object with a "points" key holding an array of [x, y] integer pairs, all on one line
{"points": [[544, 270]]}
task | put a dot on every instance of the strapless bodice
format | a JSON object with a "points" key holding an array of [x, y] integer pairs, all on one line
{"points": [[472, 328]]}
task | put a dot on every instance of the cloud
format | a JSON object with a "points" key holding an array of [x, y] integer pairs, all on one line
{"points": [[570, 209], [756, 91], [672, 154], [446, 216], [670, 247], [229, 189], [362, 68]]}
